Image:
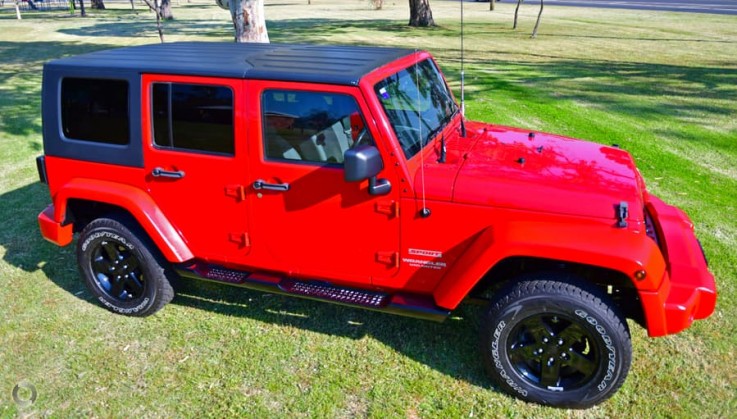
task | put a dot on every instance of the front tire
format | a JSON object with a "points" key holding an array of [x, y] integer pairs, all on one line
{"points": [[121, 267], [554, 340]]}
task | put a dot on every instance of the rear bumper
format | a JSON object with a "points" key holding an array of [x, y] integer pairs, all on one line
{"points": [[688, 291], [54, 231]]}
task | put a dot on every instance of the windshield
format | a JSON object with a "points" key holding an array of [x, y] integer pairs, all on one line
{"points": [[418, 104]]}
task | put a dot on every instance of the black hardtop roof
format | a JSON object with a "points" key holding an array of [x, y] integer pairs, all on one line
{"points": [[331, 64]]}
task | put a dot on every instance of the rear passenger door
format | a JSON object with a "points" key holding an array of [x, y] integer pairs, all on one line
{"points": [[307, 220], [195, 161]]}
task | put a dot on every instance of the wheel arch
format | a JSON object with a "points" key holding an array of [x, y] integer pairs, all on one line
{"points": [[616, 285], [81, 200], [602, 255]]}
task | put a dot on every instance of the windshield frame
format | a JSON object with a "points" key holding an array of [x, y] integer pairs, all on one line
{"points": [[416, 118]]}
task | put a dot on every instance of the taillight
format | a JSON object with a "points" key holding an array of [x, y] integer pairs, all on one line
{"points": [[41, 167]]}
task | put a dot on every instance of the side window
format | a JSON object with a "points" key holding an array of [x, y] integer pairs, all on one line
{"points": [[95, 110], [311, 126], [193, 117]]}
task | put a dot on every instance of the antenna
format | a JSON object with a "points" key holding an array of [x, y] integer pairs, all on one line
{"points": [[463, 80], [463, 72], [424, 212]]}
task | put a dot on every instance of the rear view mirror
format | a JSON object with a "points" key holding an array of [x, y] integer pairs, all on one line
{"points": [[364, 162], [361, 163]]}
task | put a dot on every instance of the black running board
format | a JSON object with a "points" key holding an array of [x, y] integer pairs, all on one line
{"points": [[410, 305]]}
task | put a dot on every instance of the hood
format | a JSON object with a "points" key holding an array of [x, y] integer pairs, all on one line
{"points": [[513, 168]]}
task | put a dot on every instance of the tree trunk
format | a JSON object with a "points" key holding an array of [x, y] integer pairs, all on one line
{"points": [[166, 10], [81, 8], [491, 5], [539, 15], [17, 10], [98, 4], [155, 7], [249, 21], [420, 14], [516, 11], [159, 26]]}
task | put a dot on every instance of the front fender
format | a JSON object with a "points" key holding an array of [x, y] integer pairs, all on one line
{"points": [[594, 244], [138, 203]]}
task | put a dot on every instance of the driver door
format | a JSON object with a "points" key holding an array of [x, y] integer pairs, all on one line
{"points": [[310, 222]]}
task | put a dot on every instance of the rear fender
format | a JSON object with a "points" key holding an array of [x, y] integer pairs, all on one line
{"points": [[136, 202]]}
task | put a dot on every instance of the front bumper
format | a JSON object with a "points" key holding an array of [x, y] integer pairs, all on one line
{"points": [[688, 291]]}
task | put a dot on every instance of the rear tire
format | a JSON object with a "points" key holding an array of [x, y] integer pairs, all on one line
{"points": [[554, 340], [122, 268]]}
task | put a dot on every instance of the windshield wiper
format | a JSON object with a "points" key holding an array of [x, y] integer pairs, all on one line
{"points": [[435, 132], [442, 125]]}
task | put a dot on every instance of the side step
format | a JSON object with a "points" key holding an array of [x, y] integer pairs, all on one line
{"points": [[326, 291], [410, 305]]}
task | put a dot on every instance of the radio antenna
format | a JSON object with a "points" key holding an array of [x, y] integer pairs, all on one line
{"points": [[463, 72], [425, 211], [463, 80]]}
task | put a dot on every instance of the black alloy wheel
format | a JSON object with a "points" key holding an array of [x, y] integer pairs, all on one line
{"points": [[122, 268], [553, 352], [554, 339], [117, 271]]}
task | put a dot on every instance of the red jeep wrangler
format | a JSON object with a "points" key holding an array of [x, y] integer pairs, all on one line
{"points": [[348, 174]]}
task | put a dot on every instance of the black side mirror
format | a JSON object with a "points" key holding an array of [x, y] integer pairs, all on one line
{"points": [[364, 162]]}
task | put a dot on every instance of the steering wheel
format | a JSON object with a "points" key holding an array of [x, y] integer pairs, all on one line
{"points": [[361, 137]]}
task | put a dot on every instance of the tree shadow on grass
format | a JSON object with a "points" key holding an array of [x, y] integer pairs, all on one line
{"points": [[147, 29], [21, 67], [292, 31], [639, 91]]}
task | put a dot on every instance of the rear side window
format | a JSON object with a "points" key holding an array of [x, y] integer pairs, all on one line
{"points": [[193, 117], [95, 110]]}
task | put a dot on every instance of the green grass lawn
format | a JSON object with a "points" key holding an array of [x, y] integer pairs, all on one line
{"points": [[662, 85]]}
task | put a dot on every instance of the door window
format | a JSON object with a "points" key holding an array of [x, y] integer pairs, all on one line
{"points": [[311, 126], [193, 117]]}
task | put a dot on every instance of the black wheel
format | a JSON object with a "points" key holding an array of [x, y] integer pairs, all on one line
{"points": [[556, 341], [121, 267]]}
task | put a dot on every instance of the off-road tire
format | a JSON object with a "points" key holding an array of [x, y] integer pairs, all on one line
{"points": [[122, 268], [555, 340]]}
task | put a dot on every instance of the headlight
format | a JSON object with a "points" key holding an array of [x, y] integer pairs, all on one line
{"points": [[650, 228]]}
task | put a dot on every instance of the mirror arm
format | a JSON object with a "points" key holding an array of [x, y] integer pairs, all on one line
{"points": [[379, 186]]}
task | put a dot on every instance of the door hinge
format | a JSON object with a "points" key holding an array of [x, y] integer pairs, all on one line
{"points": [[236, 191], [388, 258], [390, 208], [241, 239]]}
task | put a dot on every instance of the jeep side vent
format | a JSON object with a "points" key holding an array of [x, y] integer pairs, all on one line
{"points": [[337, 294]]}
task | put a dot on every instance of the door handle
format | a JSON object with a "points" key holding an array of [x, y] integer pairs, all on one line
{"points": [[260, 184], [159, 172]]}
